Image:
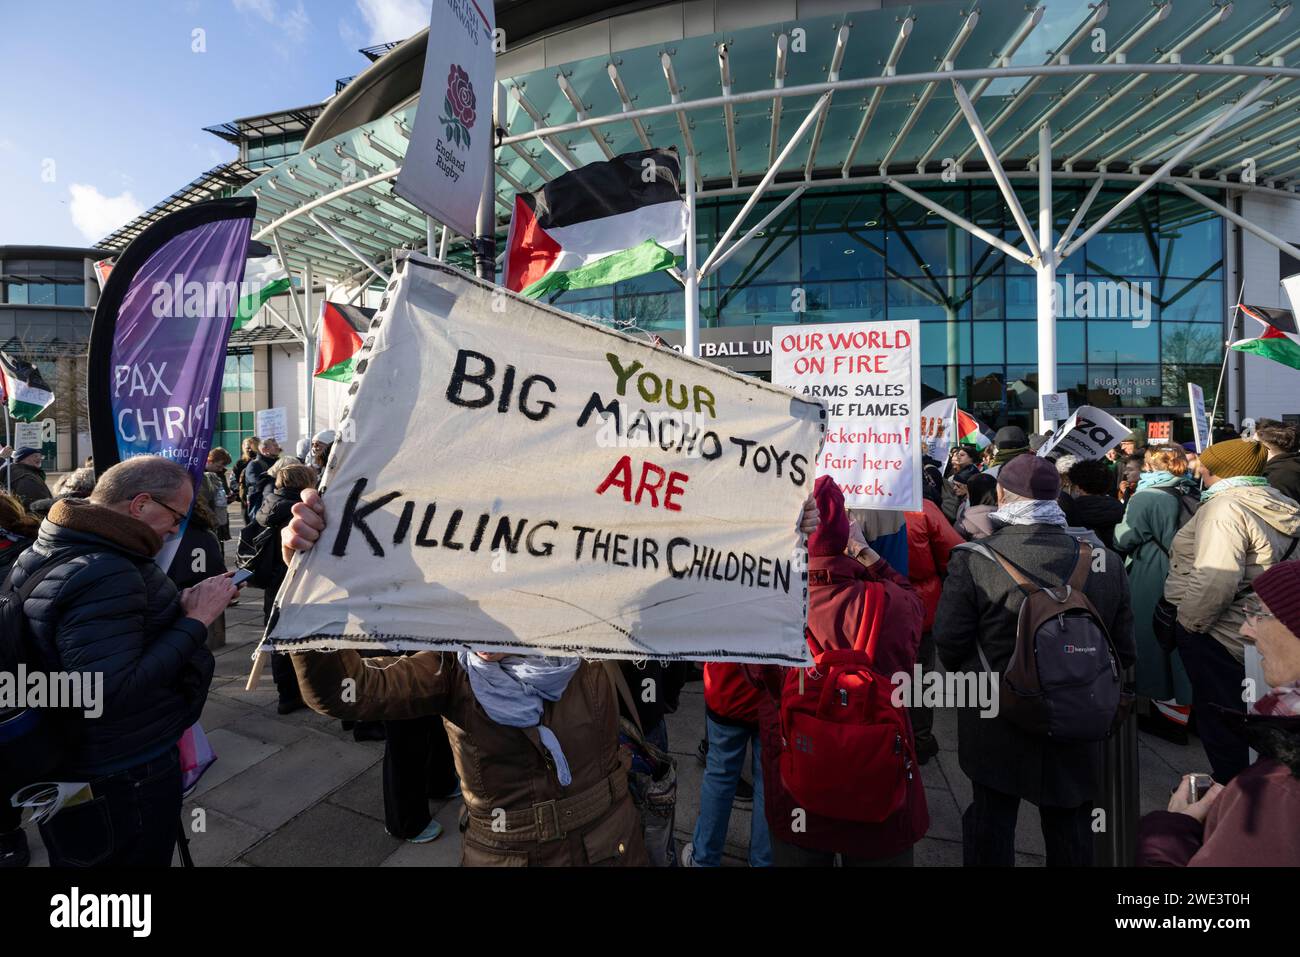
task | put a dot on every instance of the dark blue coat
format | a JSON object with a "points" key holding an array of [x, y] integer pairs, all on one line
{"points": [[110, 609]]}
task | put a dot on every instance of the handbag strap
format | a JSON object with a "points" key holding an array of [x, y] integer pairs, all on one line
{"points": [[615, 675]]}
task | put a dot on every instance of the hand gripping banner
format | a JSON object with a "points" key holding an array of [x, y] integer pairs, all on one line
{"points": [[510, 478]]}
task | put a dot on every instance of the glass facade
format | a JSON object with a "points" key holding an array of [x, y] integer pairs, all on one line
{"points": [[266, 152], [235, 420], [1140, 307], [42, 282]]}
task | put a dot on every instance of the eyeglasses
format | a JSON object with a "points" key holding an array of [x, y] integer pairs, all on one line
{"points": [[180, 516], [1255, 612]]}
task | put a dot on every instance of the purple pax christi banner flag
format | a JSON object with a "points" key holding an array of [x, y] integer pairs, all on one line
{"points": [[158, 340]]}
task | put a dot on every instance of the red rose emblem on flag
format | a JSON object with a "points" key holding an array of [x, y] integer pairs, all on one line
{"points": [[459, 106]]}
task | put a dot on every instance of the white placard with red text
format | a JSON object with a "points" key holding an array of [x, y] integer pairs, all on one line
{"points": [[869, 375]]}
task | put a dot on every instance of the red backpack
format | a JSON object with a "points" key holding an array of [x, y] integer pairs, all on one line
{"points": [[848, 753]]}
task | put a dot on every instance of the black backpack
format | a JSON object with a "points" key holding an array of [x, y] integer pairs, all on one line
{"points": [[32, 739], [1063, 680], [256, 552]]}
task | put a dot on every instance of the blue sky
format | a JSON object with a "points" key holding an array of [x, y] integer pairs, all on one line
{"points": [[105, 103]]}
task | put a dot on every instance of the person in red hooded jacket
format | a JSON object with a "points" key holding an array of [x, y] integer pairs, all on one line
{"points": [[930, 539], [848, 584]]}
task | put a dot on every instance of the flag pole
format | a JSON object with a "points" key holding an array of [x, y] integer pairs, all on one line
{"points": [[691, 334], [1236, 311], [9, 468]]}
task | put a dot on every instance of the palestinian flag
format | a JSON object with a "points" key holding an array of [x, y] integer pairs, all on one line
{"points": [[340, 337], [264, 277], [23, 389], [1279, 341], [968, 431], [598, 224]]}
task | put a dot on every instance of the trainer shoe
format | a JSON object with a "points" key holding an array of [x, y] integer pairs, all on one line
{"points": [[430, 833]]}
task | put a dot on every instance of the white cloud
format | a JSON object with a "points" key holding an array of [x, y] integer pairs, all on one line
{"points": [[96, 215], [292, 24], [389, 20]]}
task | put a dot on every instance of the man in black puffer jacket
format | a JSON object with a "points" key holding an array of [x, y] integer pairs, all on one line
{"points": [[107, 609]]}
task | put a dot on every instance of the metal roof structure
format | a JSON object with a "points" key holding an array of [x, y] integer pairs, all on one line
{"points": [[217, 182], [1192, 93], [297, 120]]}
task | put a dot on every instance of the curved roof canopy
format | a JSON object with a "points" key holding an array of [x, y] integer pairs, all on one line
{"points": [[1186, 90]]}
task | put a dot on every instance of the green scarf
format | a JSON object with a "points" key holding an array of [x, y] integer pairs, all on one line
{"points": [[1003, 456], [1237, 481]]}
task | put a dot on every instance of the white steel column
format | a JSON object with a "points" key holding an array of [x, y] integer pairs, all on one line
{"points": [[309, 350], [691, 338], [1045, 270]]}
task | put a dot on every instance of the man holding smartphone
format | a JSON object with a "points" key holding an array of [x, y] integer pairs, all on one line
{"points": [[104, 607]]}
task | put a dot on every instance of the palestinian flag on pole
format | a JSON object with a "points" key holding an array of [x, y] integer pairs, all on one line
{"points": [[264, 277], [340, 337], [969, 432], [1279, 341], [23, 389], [597, 225]]}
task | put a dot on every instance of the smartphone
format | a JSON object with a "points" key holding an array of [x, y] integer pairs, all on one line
{"points": [[240, 577], [1201, 784]]}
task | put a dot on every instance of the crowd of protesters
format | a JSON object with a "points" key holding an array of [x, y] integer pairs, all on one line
{"points": [[1184, 562]]}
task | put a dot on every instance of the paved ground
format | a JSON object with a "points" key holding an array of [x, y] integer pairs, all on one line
{"points": [[297, 790]]}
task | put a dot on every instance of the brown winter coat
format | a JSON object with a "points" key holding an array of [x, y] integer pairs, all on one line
{"points": [[501, 768]]}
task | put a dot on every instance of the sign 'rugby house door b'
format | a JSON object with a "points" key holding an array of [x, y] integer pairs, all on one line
{"points": [[511, 478]]}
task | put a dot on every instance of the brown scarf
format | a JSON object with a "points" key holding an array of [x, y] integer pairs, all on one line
{"points": [[81, 515]]}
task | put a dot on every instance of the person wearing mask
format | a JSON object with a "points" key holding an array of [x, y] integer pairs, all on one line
{"points": [[17, 532], [930, 540], [731, 726], [975, 632], [1283, 466], [1243, 526], [1158, 508], [973, 519], [256, 479], [26, 477], [1092, 506], [1253, 821], [855, 601], [105, 607], [1010, 442], [500, 712]]}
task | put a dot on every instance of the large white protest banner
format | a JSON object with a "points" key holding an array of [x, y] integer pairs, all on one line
{"points": [[869, 373], [1089, 433], [938, 420], [511, 478], [446, 160]]}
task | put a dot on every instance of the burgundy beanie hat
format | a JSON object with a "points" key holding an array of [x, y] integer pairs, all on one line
{"points": [[1032, 477], [833, 526], [1279, 588]]}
